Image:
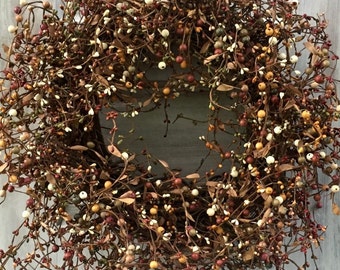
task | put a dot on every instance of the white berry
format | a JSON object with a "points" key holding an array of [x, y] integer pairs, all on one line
{"points": [[309, 156], [294, 59], [270, 160], [82, 195], [335, 188], [277, 130], [165, 33], [11, 29], [210, 212], [125, 156], [195, 192], [50, 187], [162, 65], [234, 172], [2, 193], [26, 214]]}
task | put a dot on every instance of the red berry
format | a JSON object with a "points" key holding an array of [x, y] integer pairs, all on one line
{"points": [[190, 78], [200, 22], [17, 10], [319, 78], [264, 257], [179, 59], [314, 186], [243, 122], [30, 202], [55, 248], [227, 155], [68, 255], [275, 99], [180, 30], [220, 262], [44, 26], [315, 158], [195, 256], [263, 133], [218, 51], [245, 212], [250, 159], [317, 197], [183, 47], [178, 182]]}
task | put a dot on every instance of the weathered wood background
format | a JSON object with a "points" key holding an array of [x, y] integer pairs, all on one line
{"points": [[329, 257]]}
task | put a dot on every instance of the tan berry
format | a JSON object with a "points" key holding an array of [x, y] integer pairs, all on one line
{"points": [[160, 230], [269, 190], [269, 31], [108, 184], [259, 145], [184, 64], [128, 85], [262, 86], [269, 75], [261, 114], [153, 264], [13, 178], [3, 144], [219, 230], [305, 114], [95, 208], [280, 225], [182, 259], [140, 75], [153, 211]]}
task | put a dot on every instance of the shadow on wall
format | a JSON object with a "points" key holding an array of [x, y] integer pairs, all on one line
{"points": [[178, 142]]}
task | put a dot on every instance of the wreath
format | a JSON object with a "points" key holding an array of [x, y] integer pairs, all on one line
{"points": [[104, 208]]}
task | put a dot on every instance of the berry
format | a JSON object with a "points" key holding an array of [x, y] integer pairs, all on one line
{"points": [[153, 264]]}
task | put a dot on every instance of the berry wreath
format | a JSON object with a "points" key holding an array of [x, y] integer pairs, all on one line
{"points": [[103, 208]]}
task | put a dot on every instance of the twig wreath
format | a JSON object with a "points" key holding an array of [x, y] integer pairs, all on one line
{"points": [[65, 70]]}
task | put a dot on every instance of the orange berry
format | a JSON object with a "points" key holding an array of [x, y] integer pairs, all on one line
{"points": [[261, 114], [208, 145], [184, 64], [153, 264], [182, 259], [262, 86], [269, 75], [305, 114], [108, 184], [140, 75], [95, 208], [3, 144], [211, 127], [13, 178], [166, 91], [284, 196], [259, 145], [269, 190], [128, 84], [160, 230], [153, 211], [269, 31], [219, 230]]}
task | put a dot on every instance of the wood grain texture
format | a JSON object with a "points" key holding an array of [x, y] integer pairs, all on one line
{"points": [[329, 256]]}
